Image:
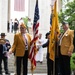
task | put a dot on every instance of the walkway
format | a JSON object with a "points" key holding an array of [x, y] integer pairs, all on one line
{"points": [[29, 74]]}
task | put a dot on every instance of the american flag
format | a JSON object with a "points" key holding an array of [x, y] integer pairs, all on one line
{"points": [[33, 49], [19, 5]]}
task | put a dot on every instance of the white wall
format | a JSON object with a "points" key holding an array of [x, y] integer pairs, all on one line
{"points": [[16, 14], [0, 15]]}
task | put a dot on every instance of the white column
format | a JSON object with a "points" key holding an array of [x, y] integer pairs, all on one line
{"points": [[31, 7], [44, 9], [0, 15], [59, 5], [3, 15], [9, 8]]}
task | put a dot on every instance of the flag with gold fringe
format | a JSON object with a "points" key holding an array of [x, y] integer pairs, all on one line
{"points": [[54, 32]]}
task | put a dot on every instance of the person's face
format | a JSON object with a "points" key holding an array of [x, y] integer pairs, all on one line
{"points": [[48, 36], [3, 37], [40, 35], [22, 29], [65, 27]]}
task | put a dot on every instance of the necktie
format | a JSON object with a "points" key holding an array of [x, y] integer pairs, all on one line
{"points": [[26, 43], [25, 40], [60, 38]]}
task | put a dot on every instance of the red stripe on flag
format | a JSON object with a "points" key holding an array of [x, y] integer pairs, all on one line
{"points": [[32, 57], [34, 40], [19, 5], [37, 25], [31, 53]]}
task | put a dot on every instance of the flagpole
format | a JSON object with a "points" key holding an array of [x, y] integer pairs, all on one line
{"points": [[55, 51], [32, 71], [33, 48], [54, 41], [54, 47], [54, 59]]}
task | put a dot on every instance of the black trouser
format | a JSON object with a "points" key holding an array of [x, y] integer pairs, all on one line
{"points": [[65, 65], [5, 61], [19, 61], [57, 62], [49, 65], [57, 66]]}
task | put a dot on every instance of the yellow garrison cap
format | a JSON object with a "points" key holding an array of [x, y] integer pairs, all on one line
{"points": [[23, 25]]}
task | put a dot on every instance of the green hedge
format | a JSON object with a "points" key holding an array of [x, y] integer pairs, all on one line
{"points": [[72, 62]]}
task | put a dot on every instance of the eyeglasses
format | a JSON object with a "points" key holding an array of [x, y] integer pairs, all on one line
{"points": [[22, 28]]}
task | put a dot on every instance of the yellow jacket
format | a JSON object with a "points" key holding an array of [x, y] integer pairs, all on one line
{"points": [[19, 46], [67, 42]]}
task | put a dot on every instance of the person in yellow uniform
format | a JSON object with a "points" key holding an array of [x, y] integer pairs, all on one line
{"points": [[66, 49], [21, 46]]}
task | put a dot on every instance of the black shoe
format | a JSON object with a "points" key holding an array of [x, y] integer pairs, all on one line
{"points": [[41, 62], [7, 73], [37, 61], [1, 73]]}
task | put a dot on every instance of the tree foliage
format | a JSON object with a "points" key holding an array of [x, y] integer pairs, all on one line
{"points": [[69, 14]]}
